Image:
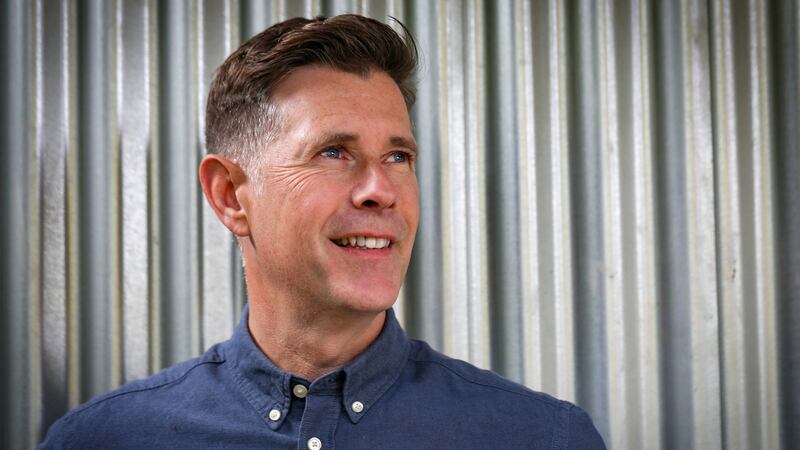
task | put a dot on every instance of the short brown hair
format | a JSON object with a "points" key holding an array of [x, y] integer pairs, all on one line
{"points": [[240, 118]]}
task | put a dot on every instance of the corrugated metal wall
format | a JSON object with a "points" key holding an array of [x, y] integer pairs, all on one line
{"points": [[609, 195]]}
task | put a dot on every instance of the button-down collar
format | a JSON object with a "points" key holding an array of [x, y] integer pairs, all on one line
{"points": [[363, 380]]}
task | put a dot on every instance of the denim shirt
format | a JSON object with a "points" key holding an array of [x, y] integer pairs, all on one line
{"points": [[399, 393]]}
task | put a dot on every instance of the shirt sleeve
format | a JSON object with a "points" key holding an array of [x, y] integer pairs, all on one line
{"points": [[582, 434]]}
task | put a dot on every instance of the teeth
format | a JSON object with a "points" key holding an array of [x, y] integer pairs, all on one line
{"points": [[363, 242]]}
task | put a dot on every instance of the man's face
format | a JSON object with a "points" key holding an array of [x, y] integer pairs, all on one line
{"points": [[334, 220]]}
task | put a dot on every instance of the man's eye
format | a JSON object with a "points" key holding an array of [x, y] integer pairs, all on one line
{"points": [[399, 157], [333, 153]]}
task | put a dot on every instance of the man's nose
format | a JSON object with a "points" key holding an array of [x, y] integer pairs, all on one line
{"points": [[374, 189]]}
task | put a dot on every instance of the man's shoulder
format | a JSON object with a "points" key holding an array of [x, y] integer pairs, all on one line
{"points": [[513, 409], [141, 401], [156, 385], [472, 377]]}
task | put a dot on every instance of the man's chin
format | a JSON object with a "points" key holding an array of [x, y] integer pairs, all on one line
{"points": [[367, 300]]}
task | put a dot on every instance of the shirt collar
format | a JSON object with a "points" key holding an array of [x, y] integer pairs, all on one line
{"points": [[264, 385], [365, 379], [375, 370]]}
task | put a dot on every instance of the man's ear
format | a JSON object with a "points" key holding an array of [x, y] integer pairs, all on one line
{"points": [[221, 179]]}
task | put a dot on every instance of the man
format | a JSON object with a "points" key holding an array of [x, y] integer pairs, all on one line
{"points": [[312, 166]]}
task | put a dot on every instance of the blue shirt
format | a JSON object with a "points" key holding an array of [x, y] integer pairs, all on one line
{"points": [[399, 394]]}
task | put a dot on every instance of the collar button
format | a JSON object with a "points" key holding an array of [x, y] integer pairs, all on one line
{"points": [[357, 407], [299, 391], [274, 415]]}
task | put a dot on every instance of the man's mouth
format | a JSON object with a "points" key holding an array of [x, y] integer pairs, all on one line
{"points": [[363, 242]]}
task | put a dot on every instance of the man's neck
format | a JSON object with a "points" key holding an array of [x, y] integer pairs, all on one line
{"points": [[311, 345]]}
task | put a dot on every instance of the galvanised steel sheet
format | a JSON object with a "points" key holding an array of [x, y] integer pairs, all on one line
{"points": [[607, 210]]}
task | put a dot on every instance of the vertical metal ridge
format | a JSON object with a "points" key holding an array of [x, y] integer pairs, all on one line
{"points": [[528, 199], [53, 128], [23, 210], [587, 148], [18, 199], [134, 105], [767, 428], [96, 207], [478, 325], [784, 53], [669, 179], [620, 422], [701, 257], [199, 71], [115, 167], [180, 196], [72, 107], [645, 321], [502, 190], [154, 229], [454, 290], [195, 195], [729, 276], [36, 228], [563, 351]]}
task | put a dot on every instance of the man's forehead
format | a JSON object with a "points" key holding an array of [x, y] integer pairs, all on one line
{"points": [[342, 90], [320, 106]]}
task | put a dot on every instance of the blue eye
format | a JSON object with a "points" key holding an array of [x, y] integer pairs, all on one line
{"points": [[399, 157], [331, 152]]}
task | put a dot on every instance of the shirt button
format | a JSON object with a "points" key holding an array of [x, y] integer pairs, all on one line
{"points": [[274, 415], [357, 407], [299, 391], [314, 443]]}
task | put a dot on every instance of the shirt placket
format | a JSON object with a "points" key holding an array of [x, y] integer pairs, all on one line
{"points": [[321, 414]]}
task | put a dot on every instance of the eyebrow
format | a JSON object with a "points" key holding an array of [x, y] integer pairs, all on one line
{"points": [[339, 138], [399, 141]]}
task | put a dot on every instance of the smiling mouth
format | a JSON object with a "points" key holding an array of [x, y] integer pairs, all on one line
{"points": [[363, 242]]}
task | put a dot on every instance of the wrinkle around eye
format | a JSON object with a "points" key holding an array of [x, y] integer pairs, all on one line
{"points": [[294, 177]]}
